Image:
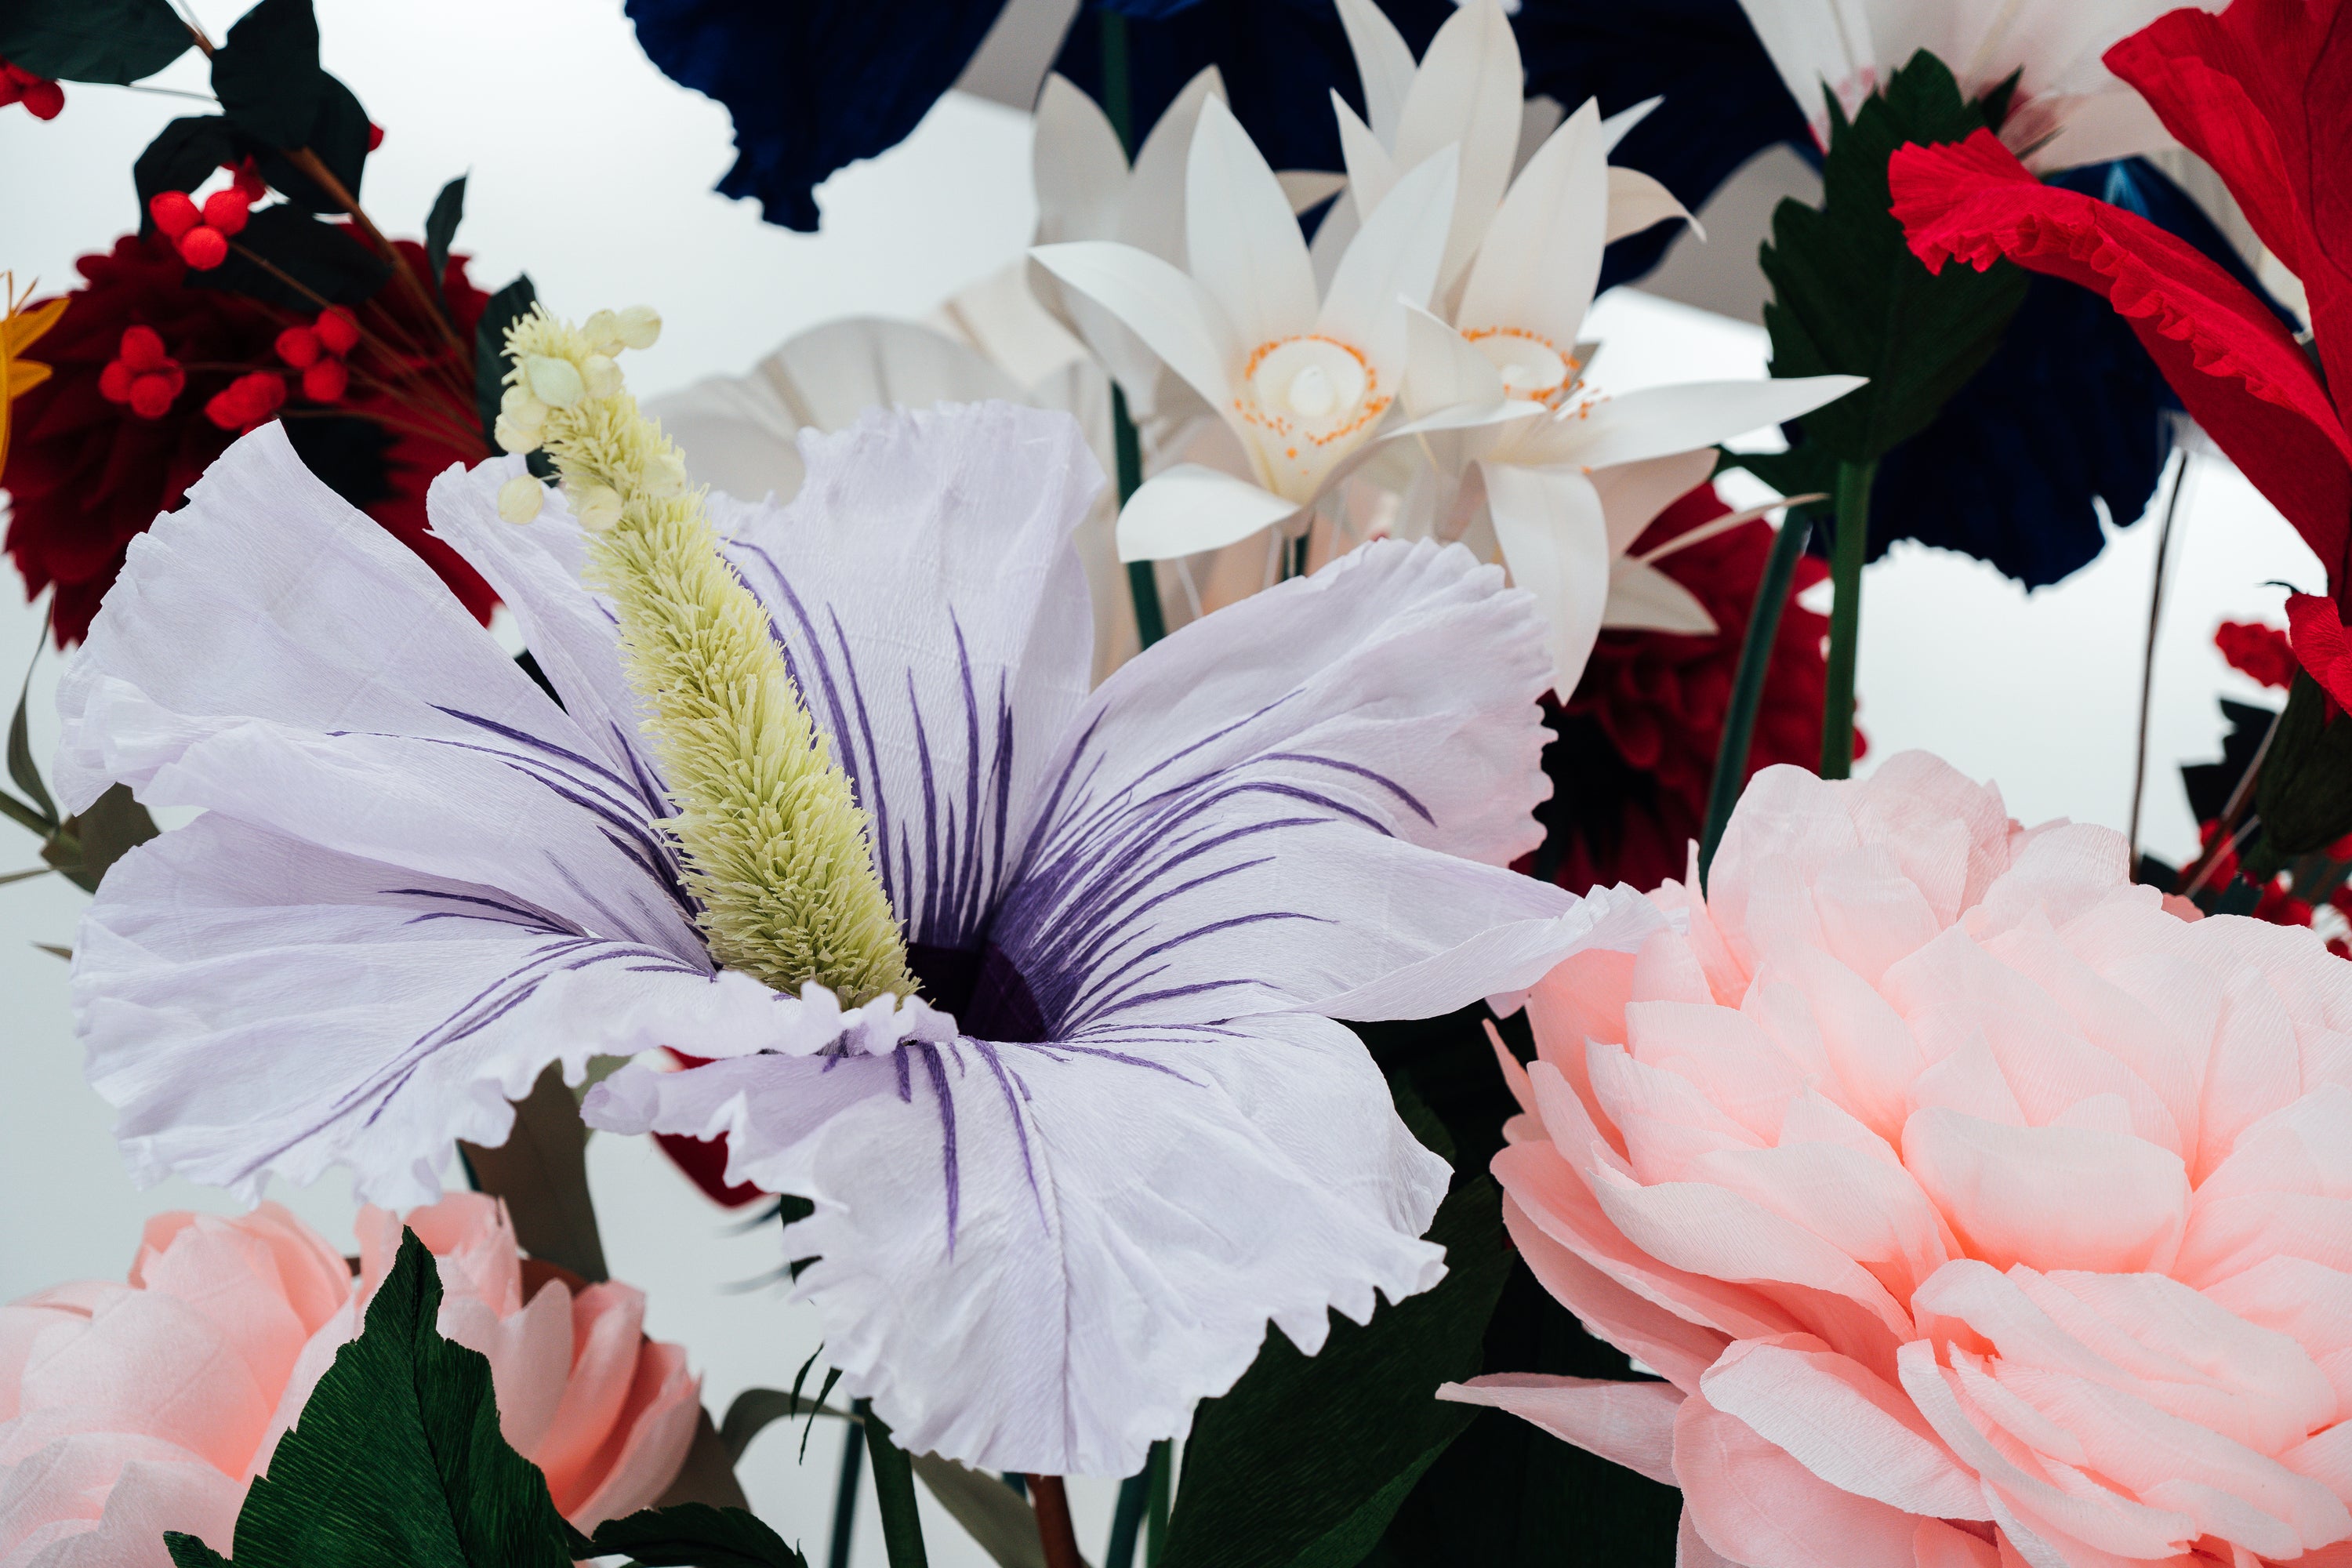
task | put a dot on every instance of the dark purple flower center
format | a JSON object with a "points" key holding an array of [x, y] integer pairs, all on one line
{"points": [[988, 997]]}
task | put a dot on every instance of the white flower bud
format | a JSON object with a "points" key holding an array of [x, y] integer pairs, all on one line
{"points": [[603, 330], [598, 508], [514, 438], [554, 382], [640, 327], [521, 498], [666, 475], [601, 375], [518, 404]]}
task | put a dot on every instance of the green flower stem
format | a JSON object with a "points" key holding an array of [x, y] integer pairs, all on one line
{"points": [[894, 1491], [1161, 1472], [1150, 624], [1845, 614], [845, 1497], [1747, 686]]}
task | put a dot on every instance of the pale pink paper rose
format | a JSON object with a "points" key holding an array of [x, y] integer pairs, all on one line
{"points": [[1977, 1210], [128, 1410]]}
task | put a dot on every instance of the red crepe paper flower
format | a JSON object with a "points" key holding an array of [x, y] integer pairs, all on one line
{"points": [[1640, 733], [85, 472], [2258, 650], [2238, 373], [2320, 645], [42, 98]]}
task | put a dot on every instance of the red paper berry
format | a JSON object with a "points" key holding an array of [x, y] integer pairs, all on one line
{"points": [[114, 381], [174, 213], [141, 348], [246, 173], [325, 381], [152, 394], [227, 210], [203, 248], [43, 99], [375, 136], [299, 346], [246, 402], [338, 330]]}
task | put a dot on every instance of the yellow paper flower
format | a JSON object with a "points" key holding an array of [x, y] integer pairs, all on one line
{"points": [[19, 330]]}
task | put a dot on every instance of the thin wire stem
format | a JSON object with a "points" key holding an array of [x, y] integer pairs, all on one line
{"points": [[2147, 661]]}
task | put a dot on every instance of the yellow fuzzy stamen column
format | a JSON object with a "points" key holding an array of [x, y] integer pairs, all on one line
{"points": [[775, 844]]}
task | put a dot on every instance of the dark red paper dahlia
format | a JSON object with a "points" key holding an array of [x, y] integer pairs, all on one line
{"points": [[1636, 743], [87, 471]]}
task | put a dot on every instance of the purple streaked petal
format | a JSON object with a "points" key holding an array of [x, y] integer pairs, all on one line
{"points": [[1127, 1217], [258, 1007]]}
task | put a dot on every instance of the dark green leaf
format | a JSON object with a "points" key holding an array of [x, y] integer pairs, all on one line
{"points": [[182, 156], [2304, 790], [86, 846], [351, 454], [696, 1535], [338, 134], [266, 76], [824, 1390], [540, 1172], [1849, 296], [92, 41], [55, 950], [308, 260], [441, 228], [20, 753], [506, 307], [1302, 1464], [397, 1459], [24, 815], [187, 1551]]}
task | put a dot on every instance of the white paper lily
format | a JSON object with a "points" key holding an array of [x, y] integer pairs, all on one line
{"points": [[1566, 480], [1302, 377], [2068, 110]]}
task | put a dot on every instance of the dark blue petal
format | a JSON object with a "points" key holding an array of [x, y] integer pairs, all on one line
{"points": [[813, 84]]}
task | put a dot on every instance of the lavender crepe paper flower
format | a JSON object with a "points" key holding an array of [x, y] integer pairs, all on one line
{"points": [[1056, 1204]]}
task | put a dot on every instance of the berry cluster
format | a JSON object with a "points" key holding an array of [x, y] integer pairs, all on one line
{"points": [[42, 98], [201, 235], [142, 374], [251, 400], [320, 352]]}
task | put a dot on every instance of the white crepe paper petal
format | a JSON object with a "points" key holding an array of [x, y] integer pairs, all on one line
{"points": [[1189, 508]]}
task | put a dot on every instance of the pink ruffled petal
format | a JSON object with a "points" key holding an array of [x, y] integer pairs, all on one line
{"points": [[1753, 1502], [1629, 1423]]}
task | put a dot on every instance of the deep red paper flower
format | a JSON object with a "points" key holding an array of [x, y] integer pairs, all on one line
{"points": [[2257, 650], [1638, 736], [85, 474], [2321, 646]]}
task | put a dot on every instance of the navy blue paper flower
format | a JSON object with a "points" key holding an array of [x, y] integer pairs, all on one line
{"points": [[813, 84]]}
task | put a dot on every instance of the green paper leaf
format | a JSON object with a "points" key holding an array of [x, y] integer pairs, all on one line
{"points": [[84, 846], [92, 41], [266, 76], [396, 1461], [506, 307], [696, 1535], [338, 134], [182, 156], [440, 230], [20, 753], [2304, 790], [1849, 296], [326, 259], [1305, 1461]]}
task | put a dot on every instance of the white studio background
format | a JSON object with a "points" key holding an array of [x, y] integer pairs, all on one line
{"points": [[593, 173]]}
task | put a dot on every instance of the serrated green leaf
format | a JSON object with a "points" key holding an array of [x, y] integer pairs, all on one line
{"points": [[84, 846], [92, 41], [2304, 790], [1305, 1461], [441, 229], [187, 1551], [1848, 294], [696, 1535], [266, 73], [397, 1461]]}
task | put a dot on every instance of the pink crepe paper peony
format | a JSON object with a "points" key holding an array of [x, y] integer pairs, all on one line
{"points": [[1977, 1210], [128, 1410]]}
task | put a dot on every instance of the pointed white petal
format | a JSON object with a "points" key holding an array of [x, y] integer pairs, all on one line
{"points": [[1813, 42], [1383, 63], [1537, 270], [1174, 315], [1153, 213], [1309, 188], [1614, 128], [1658, 420], [1241, 241], [1724, 524], [1332, 238], [1636, 201], [1372, 168], [1642, 598], [1188, 509], [1443, 370], [1466, 93], [1079, 168], [1633, 494], [1554, 542], [1539, 118], [1393, 257], [1468, 417]]}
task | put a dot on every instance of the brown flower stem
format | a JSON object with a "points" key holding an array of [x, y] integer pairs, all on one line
{"points": [[390, 352], [1055, 1532], [313, 165]]}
